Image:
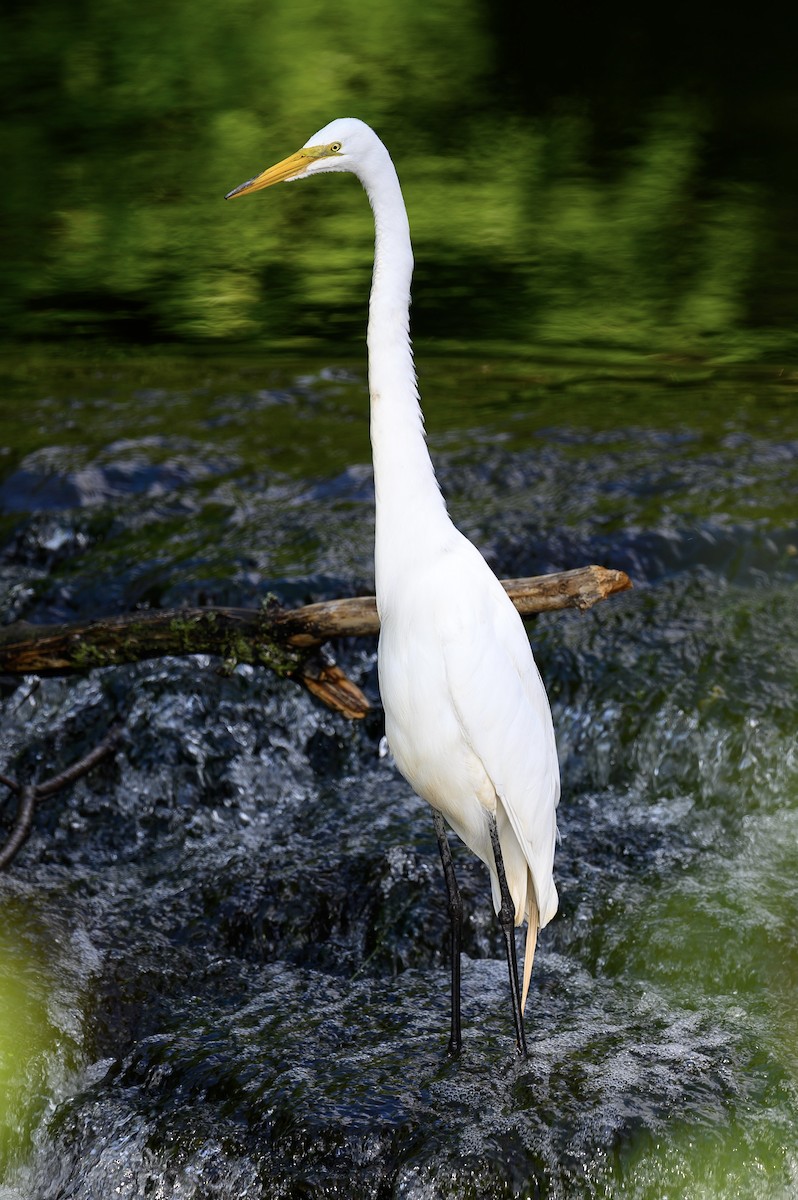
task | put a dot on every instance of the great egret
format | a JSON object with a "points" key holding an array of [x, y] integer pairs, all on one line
{"points": [[466, 714]]}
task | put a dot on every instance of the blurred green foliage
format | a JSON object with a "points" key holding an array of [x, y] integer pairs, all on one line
{"points": [[533, 221], [27, 1039]]}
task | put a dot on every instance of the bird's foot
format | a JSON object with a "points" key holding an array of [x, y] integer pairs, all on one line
{"points": [[454, 1048]]}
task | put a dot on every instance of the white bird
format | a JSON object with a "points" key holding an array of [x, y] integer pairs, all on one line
{"points": [[466, 713]]}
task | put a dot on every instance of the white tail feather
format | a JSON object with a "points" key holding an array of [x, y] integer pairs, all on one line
{"points": [[531, 939]]}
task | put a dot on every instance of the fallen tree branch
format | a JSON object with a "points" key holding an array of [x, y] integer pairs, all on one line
{"points": [[287, 641]]}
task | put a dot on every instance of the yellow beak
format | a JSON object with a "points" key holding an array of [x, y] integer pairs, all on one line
{"points": [[289, 168]]}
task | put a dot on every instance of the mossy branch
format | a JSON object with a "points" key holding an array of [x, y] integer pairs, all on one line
{"points": [[288, 641]]}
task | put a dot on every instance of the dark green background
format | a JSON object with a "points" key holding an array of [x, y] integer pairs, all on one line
{"points": [[618, 176]]}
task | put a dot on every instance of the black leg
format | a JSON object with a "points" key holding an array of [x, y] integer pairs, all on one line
{"points": [[507, 922], [456, 920]]}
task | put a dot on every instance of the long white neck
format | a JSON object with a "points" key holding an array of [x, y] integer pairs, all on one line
{"points": [[411, 518]]}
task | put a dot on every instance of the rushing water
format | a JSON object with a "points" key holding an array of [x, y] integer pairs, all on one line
{"points": [[223, 953]]}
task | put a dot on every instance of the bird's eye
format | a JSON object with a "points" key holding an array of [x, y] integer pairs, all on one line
{"points": [[335, 147]]}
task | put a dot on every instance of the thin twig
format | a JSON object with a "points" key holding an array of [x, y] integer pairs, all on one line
{"points": [[21, 827], [29, 793], [83, 765]]}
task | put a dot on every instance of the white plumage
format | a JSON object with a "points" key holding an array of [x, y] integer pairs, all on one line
{"points": [[466, 713]]}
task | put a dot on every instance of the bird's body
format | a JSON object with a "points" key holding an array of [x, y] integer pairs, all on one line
{"points": [[466, 714], [468, 723]]}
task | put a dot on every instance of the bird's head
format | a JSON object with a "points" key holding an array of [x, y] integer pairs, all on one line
{"points": [[344, 145]]}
